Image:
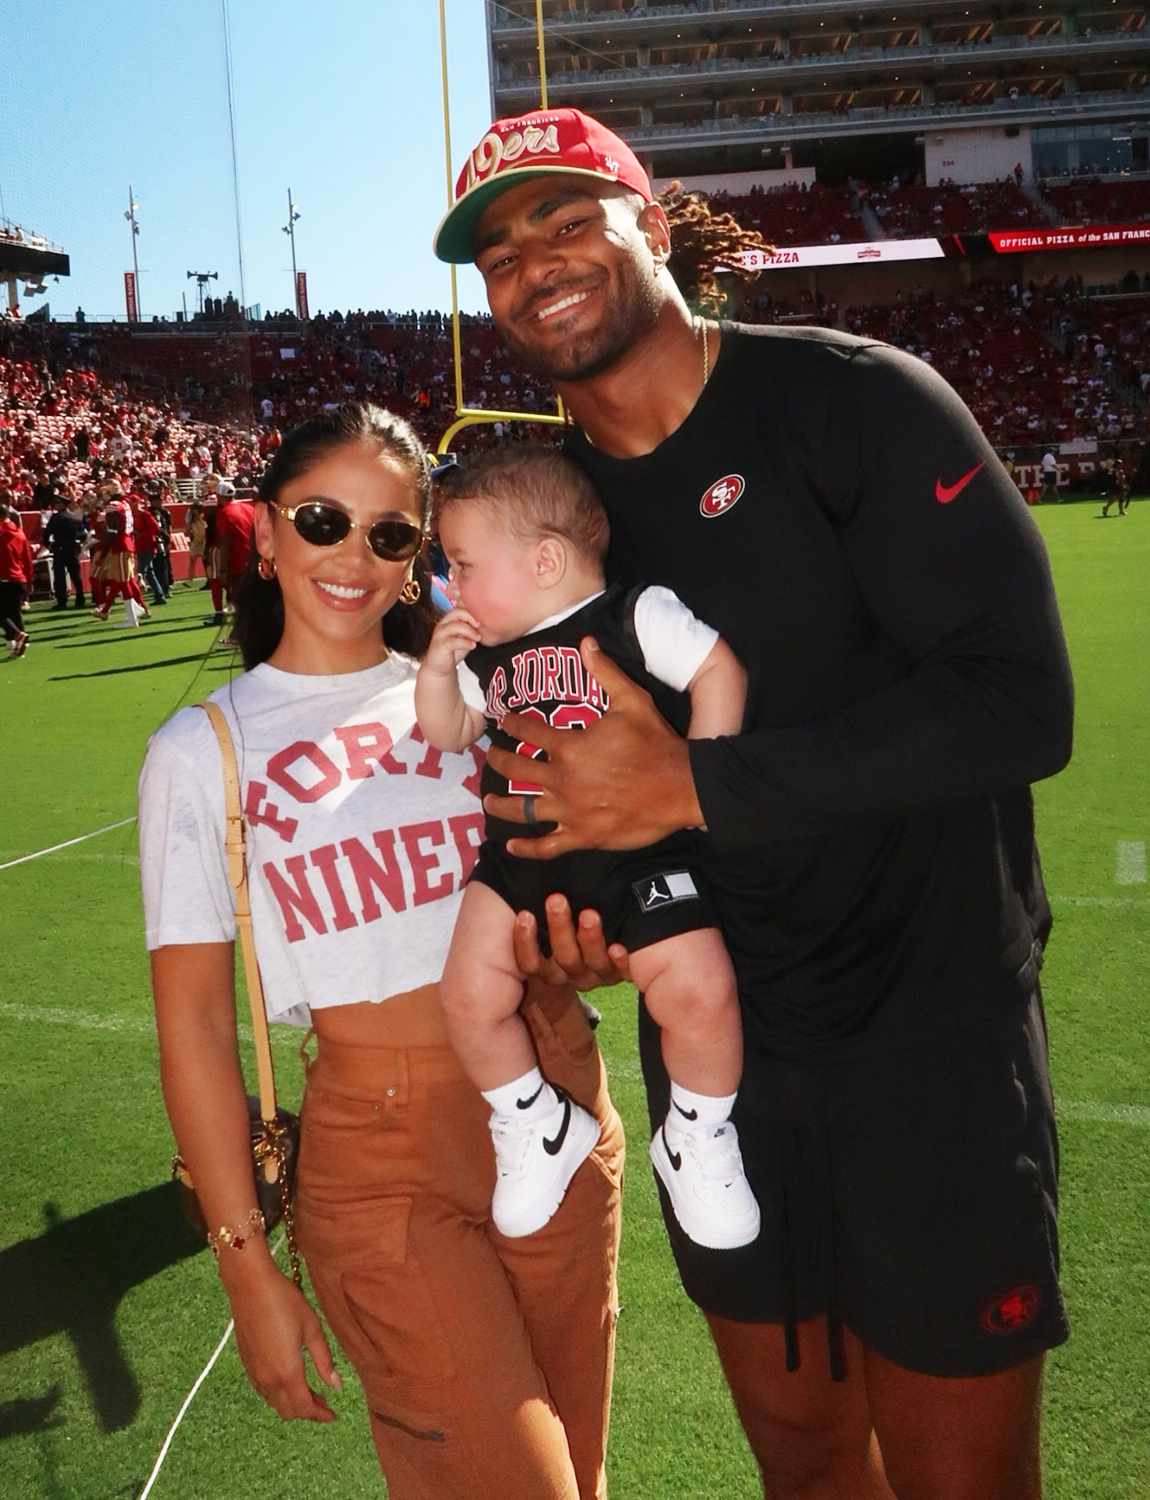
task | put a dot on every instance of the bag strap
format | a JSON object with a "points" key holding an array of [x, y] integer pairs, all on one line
{"points": [[234, 847]]}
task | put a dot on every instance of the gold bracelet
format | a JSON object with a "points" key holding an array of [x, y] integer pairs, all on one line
{"points": [[237, 1237]]}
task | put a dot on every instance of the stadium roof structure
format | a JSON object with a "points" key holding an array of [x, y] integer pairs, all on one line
{"points": [[30, 255], [714, 85]]}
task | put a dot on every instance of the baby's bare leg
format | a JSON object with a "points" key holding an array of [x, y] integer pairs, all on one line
{"points": [[481, 990], [689, 987]]}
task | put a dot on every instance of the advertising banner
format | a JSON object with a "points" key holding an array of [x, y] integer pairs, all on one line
{"points": [[1068, 237], [840, 255]]}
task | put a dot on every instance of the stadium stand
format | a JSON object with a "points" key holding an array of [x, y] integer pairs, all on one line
{"points": [[795, 215], [947, 208], [1089, 201], [999, 345]]}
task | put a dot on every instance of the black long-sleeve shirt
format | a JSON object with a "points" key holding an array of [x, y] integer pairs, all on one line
{"points": [[832, 508], [64, 533]]}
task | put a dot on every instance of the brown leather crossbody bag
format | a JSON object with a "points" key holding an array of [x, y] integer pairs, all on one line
{"points": [[274, 1132]]}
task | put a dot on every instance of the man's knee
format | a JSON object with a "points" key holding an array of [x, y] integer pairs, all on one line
{"points": [[808, 1461]]}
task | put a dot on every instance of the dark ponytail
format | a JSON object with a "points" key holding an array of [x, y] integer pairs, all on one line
{"points": [[259, 620]]}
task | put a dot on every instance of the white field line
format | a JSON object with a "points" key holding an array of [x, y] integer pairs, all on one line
{"points": [[1130, 862], [1098, 1113], [48, 1015], [68, 843], [1092, 1111], [1105, 901]]}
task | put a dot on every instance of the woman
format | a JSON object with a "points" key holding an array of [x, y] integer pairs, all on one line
{"points": [[197, 528], [486, 1362]]}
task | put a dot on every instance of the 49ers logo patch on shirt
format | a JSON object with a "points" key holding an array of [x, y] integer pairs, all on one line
{"points": [[722, 495]]}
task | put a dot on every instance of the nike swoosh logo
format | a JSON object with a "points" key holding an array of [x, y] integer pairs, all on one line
{"points": [[945, 493], [554, 1147], [527, 1103], [692, 1114], [674, 1157]]}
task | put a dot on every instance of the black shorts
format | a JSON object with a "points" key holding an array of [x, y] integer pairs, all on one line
{"points": [[642, 895], [912, 1195]]}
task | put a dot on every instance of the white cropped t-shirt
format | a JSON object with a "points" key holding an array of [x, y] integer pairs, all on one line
{"points": [[360, 834]]}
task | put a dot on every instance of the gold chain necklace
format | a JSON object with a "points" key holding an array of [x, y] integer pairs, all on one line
{"points": [[706, 351]]}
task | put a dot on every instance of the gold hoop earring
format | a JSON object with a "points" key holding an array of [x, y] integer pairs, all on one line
{"points": [[266, 568], [411, 591]]}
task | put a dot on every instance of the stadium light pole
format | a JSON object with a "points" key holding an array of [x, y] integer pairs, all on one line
{"points": [[130, 215], [289, 230]]}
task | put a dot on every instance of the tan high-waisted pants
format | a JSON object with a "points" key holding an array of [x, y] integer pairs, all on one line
{"points": [[486, 1361]]}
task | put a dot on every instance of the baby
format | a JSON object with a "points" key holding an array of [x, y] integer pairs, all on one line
{"points": [[525, 536]]}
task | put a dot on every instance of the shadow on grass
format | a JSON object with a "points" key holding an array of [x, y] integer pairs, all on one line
{"points": [[71, 1279], [144, 666], [144, 633]]}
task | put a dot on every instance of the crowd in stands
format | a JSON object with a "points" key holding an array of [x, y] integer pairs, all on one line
{"points": [[1089, 201], [797, 214], [998, 345], [949, 208], [86, 412]]}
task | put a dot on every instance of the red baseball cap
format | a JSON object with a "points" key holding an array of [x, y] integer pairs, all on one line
{"points": [[540, 144]]}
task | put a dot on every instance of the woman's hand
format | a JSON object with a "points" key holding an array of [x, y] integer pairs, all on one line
{"points": [[274, 1325], [579, 955]]}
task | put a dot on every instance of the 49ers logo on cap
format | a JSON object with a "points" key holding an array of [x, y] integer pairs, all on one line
{"points": [[496, 150], [722, 495]]}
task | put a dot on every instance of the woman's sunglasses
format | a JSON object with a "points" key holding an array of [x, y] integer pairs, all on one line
{"points": [[327, 525]]}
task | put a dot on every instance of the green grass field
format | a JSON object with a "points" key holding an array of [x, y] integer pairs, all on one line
{"points": [[109, 1311]]}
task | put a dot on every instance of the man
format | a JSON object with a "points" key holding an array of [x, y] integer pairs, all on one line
{"points": [[235, 520], [64, 536], [1118, 490], [117, 565], [1050, 477], [146, 527], [831, 507], [155, 491], [15, 578]]}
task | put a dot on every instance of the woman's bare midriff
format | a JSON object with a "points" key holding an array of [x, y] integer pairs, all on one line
{"points": [[412, 1019]]}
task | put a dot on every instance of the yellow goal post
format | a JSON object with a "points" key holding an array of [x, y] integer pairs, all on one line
{"points": [[475, 416]]}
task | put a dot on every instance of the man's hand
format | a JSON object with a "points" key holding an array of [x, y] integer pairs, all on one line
{"points": [[579, 956], [622, 783]]}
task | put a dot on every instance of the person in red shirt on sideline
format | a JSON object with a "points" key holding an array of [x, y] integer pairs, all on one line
{"points": [[118, 569], [234, 521], [15, 578], [147, 537]]}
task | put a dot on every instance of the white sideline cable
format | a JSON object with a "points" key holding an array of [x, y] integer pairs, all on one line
{"points": [[188, 1399], [191, 1396]]}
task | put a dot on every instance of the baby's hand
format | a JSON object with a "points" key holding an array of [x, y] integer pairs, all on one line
{"points": [[455, 635]]}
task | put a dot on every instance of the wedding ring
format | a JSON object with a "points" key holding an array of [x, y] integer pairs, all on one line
{"points": [[529, 812]]}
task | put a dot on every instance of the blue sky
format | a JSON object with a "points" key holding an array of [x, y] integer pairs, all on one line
{"points": [[339, 100]]}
